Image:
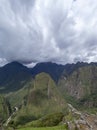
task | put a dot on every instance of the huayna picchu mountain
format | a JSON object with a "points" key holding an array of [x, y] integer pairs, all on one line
{"points": [[37, 99]]}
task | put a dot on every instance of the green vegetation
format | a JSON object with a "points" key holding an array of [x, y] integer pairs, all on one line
{"points": [[5, 109], [48, 120], [18, 98], [38, 98], [45, 128], [41, 102], [80, 87]]}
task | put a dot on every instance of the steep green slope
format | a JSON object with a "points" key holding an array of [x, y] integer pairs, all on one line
{"points": [[81, 85], [38, 98], [5, 109], [45, 94]]}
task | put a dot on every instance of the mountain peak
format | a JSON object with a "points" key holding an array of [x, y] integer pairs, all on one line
{"points": [[14, 63]]}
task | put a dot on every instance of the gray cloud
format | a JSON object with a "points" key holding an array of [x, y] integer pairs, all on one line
{"points": [[61, 31]]}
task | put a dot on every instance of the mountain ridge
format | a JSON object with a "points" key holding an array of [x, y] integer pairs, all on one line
{"points": [[46, 88], [14, 76], [14, 71]]}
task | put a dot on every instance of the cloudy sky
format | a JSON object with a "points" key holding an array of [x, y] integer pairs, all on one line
{"points": [[61, 31]]}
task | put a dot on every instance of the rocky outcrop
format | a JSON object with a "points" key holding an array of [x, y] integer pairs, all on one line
{"points": [[81, 121], [81, 85]]}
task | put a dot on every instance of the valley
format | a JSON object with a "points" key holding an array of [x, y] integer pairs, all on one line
{"points": [[48, 96]]}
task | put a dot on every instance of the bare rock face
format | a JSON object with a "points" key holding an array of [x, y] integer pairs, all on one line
{"points": [[81, 121], [81, 84]]}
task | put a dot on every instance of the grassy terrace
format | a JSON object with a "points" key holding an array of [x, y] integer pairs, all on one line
{"points": [[45, 128]]}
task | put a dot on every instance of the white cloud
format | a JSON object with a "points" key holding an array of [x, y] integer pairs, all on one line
{"points": [[3, 62], [61, 31]]}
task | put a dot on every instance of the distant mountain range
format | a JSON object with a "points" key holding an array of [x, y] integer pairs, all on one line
{"points": [[46, 88], [14, 75], [77, 81]]}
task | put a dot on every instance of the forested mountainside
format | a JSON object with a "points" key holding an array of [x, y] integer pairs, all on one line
{"points": [[81, 85], [45, 90], [5, 109], [75, 80], [14, 75]]}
